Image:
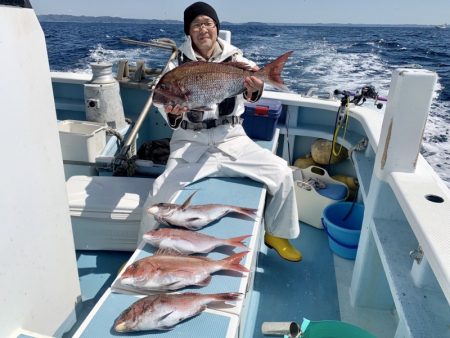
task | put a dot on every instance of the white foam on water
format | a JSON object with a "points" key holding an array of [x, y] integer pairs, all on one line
{"points": [[436, 139], [331, 69], [102, 54]]}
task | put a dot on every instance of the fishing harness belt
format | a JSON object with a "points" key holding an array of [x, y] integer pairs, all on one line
{"points": [[211, 123]]}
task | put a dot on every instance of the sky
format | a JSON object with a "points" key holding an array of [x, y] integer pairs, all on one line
{"points": [[422, 12]]}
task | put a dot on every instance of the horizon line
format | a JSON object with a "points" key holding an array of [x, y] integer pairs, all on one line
{"points": [[240, 23]]}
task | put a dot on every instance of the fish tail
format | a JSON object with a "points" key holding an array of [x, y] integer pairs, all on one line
{"points": [[232, 262], [226, 297], [247, 212], [237, 241], [272, 71], [216, 300]]}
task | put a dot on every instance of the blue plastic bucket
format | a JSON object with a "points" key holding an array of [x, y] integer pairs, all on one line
{"points": [[342, 222]]}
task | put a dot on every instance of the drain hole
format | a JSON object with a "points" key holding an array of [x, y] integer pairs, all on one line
{"points": [[434, 198]]}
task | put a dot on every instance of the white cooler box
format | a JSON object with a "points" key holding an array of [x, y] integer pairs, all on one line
{"points": [[106, 211], [314, 191]]}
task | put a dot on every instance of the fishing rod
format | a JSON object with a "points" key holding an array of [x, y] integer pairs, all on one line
{"points": [[123, 163], [358, 98], [159, 43]]}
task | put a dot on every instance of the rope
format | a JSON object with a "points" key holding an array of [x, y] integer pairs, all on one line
{"points": [[127, 166], [115, 132], [360, 146]]}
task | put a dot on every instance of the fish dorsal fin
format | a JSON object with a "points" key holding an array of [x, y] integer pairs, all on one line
{"points": [[240, 65], [167, 252], [191, 64], [187, 203]]}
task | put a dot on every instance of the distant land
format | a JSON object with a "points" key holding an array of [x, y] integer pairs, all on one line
{"points": [[101, 19], [114, 19]]}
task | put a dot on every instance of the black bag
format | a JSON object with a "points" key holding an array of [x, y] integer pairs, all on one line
{"points": [[156, 151]]}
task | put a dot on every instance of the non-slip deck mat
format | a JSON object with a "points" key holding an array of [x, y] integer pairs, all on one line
{"points": [[285, 291], [97, 270]]}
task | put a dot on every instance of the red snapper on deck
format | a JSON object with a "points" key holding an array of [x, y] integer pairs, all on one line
{"points": [[163, 312], [168, 272], [188, 242], [194, 217]]}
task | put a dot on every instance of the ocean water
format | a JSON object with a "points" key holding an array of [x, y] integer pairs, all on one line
{"points": [[328, 58]]}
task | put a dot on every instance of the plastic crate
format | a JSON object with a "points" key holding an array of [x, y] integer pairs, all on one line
{"points": [[260, 118], [81, 141]]}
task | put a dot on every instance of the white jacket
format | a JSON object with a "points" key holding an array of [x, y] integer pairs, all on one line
{"points": [[228, 50], [226, 151]]}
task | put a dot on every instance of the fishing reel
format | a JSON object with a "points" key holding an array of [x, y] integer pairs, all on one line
{"points": [[358, 98]]}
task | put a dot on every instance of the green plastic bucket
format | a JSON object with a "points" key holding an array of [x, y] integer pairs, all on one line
{"points": [[334, 329]]}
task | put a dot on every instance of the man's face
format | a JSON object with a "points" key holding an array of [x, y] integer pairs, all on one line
{"points": [[203, 32]]}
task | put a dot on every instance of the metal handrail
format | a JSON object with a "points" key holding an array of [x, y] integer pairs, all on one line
{"points": [[122, 157]]}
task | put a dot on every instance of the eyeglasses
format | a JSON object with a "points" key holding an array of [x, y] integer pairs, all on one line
{"points": [[196, 26]]}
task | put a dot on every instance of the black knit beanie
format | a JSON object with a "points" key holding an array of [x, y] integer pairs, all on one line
{"points": [[196, 9]]}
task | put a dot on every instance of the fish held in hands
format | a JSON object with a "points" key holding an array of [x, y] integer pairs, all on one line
{"points": [[188, 242], [169, 272], [194, 217], [164, 311], [201, 85]]}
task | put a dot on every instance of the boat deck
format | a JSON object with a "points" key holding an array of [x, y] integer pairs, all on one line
{"points": [[234, 191], [276, 290], [285, 291], [97, 270], [282, 291]]}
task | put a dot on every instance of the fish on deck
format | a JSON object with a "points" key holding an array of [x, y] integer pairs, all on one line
{"points": [[187, 242], [194, 217], [164, 311], [170, 272], [200, 85]]}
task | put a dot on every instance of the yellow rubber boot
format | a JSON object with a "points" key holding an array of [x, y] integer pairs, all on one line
{"points": [[283, 248]]}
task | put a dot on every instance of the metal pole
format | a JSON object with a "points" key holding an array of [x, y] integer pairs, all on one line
{"points": [[162, 43]]}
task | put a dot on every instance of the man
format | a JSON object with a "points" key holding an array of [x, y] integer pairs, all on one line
{"points": [[223, 149]]}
